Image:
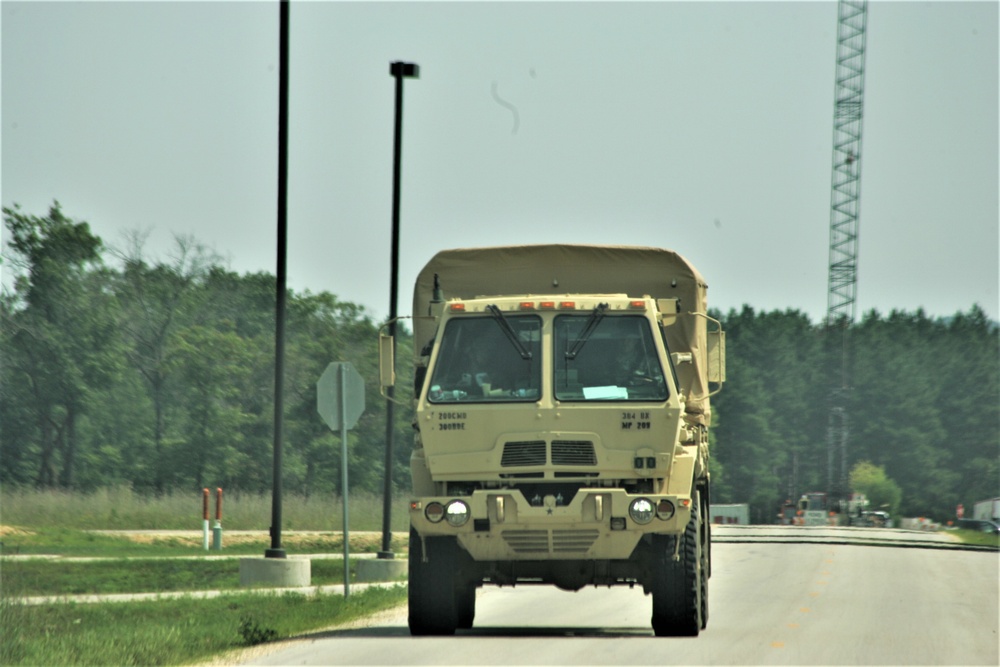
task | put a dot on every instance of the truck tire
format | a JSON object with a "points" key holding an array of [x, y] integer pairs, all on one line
{"points": [[680, 588], [431, 587], [706, 561], [465, 605]]}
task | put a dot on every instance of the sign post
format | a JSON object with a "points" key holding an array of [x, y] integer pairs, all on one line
{"points": [[217, 528], [204, 514], [340, 400]]}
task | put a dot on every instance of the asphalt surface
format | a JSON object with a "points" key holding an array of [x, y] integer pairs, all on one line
{"points": [[778, 596]]}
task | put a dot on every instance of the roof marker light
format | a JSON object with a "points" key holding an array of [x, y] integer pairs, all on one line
{"points": [[527, 305], [547, 305], [457, 307], [570, 305], [638, 304]]}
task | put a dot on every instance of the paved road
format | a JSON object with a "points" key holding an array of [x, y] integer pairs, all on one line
{"points": [[836, 535], [771, 603]]}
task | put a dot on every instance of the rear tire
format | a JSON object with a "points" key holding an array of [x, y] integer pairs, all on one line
{"points": [[680, 588], [431, 586], [706, 562]]}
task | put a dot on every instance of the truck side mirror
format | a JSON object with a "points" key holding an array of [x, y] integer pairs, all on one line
{"points": [[386, 361], [419, 375]]}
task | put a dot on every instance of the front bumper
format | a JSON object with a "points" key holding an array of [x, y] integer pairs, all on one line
{"points": [[595, 525]]}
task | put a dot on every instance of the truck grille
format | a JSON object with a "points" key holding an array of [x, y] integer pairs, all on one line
{"points": [[564, 453], [530, 453], [568, 541], [550, 541], [573, 453]]}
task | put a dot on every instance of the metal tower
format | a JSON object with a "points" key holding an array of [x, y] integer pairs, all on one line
{"points": [[848, 106], [844, 209]]}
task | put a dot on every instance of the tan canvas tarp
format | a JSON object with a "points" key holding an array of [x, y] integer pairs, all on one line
{"points": [[578, 269]]}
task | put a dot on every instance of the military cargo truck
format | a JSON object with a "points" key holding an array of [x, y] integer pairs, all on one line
{"points": [[562, 408]]}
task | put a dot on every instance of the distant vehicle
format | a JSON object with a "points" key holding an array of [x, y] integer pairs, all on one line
{"points": [[787, 513], [982, 525], [869, 519], [987, 509], [813, 510], [856, 504]]}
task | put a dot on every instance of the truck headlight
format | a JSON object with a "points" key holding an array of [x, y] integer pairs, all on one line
{"points": [[457, 513], [641, 510], [665, 510], [434, 512]]}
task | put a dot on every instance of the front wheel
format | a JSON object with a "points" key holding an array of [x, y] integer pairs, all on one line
{"points": [[680, 587], [465, 605], [433, 608]]}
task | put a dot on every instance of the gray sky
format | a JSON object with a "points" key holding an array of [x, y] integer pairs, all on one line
{"points": [[702, 127]]}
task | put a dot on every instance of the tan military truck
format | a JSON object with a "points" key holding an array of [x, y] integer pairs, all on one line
{"points": [[561, 417]]}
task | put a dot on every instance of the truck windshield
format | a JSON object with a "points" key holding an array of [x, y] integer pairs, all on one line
{"points": [[618, 363], [478, 362]]}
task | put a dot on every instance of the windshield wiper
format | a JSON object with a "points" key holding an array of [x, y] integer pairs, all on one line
{"points": [[509, 332], [596, 315]]}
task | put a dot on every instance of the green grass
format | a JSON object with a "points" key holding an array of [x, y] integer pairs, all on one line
{"points": [[976, 537], [34, 577], [72, 542], [66, 541], [170, 632], [121, 508]]}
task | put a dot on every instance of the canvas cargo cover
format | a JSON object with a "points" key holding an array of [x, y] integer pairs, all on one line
{"points": [[557, 269]]}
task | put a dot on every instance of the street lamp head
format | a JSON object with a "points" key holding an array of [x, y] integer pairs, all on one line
{"points": [[405, 70]]}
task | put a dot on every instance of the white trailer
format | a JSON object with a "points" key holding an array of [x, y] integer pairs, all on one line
{"points": [[730, 514], [988, 510]]}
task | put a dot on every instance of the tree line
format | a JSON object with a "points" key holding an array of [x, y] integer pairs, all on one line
{"points": [[159, 374], [920, 399], [121, 369]]}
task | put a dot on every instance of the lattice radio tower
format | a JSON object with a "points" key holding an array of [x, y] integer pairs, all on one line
{"points": [[844, 209]]}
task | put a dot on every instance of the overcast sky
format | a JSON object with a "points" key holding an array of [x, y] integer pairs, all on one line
{"points": [[702, 127]]}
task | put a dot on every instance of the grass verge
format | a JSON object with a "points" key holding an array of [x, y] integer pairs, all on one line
{"points": [[977, 538], [171, 632], [122, 508], [72, 542], [23, 578]]}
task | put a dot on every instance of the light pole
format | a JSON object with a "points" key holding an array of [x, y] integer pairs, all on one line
{"points": [[276, 550], [400, 71]]}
